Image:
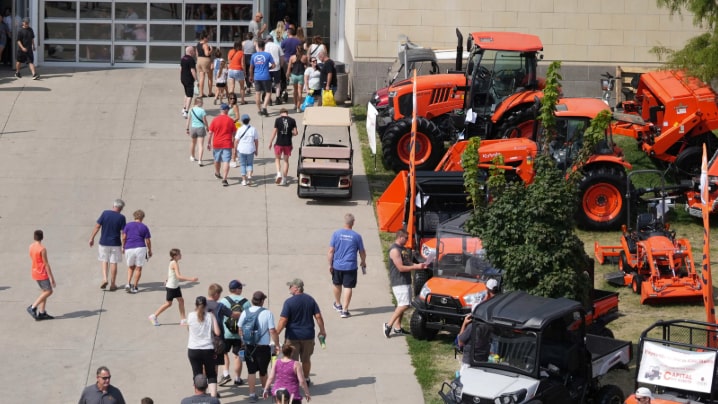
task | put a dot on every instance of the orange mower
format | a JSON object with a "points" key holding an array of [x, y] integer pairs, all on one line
{"points": [[656, 264]]}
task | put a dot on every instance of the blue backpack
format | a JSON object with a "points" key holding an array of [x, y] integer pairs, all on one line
{"points": [[250, 327]]}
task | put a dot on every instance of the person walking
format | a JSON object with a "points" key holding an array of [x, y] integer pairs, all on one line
{"points": [[284, 128], [221, 130], [344, 247], [286, 375], [400, 280], [275, 72], [248, 47], [221, 313], [197, 130], [204, 64], [236, 70], [172, 289], [188, 76], [260, 64], [200, 350], [256, 27], [102, 391], [42, 274], [299, 313], [295, 74], [257, 352], [200, 395], [328, 76], [137, 247], [25, 48], [235, 303], [110, 225], [246, 144]]}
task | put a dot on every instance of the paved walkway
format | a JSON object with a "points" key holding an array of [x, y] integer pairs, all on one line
{"points": [[74, 141]]}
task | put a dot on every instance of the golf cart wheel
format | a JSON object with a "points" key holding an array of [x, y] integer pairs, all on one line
{"points": [[602, 193], [420, 278], [636, 283], [396, 145], [623, 264], [417, 326], [609, 394]]}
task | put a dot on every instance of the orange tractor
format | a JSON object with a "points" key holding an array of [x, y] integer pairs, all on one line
{"points": [[602, 189], [657, 265], [491, 99]]}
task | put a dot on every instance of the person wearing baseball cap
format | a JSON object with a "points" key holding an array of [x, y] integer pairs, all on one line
{"points": [[644, 395], [221, 130], [232, 306], [299, 313], [258, 353], [246, 146]]}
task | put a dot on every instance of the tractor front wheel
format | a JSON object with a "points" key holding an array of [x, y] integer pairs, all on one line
{"points": [[396, 145], [623, 264], [602, 193], [636, 283]]}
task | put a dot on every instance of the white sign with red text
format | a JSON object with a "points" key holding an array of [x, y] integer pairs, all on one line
{"points": [[677, 368]]}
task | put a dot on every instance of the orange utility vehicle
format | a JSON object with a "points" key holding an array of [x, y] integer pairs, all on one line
{"points": [[657, 265], [490, 99], [459, 272]]}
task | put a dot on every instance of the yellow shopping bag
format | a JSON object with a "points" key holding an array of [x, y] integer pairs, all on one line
{"points": [[328, 99]]}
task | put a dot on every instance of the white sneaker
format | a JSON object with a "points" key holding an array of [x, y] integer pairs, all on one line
{"points": [[127, 288], [192, 158], [184, 113], [278, 179], [284, 182], [233, 164], [153, 320], [183, 322], [244, 182]]}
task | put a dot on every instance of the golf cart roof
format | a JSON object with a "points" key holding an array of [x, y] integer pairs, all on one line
{"points": [[417, 55], [521, 310], [327, 116], [507, 41]]}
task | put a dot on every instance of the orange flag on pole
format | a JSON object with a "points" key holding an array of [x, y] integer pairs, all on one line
{"points": [[412, 169]]}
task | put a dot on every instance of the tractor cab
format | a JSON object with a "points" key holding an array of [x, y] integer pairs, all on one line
{"points": [[501, 70]]}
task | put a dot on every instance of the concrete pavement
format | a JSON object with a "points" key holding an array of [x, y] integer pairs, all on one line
{"points": [[74, 141]]}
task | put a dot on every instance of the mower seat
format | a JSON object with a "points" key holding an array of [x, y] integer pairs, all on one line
{"points": [[646, 222]]}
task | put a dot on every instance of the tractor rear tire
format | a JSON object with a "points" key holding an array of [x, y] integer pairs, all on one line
{"points": [[396, 145], [420, 278], [602, 193], [609, 394], [417, 326]]}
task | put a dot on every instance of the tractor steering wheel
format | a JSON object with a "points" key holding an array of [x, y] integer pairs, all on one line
{"points": [[315, 139], [483, 72]]}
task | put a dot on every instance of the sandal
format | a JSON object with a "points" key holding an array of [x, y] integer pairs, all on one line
{"points": [[103, 285], [211, 95]]}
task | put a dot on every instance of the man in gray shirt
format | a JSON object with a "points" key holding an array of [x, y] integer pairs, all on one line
{"points": [[97, 393], [256, 27], [200, 392]]}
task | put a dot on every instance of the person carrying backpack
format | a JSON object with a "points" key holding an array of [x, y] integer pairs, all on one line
{"points": [[256, 326], [233, 342]]}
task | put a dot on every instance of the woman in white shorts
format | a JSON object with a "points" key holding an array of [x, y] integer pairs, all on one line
{"points": [[137, 248]]}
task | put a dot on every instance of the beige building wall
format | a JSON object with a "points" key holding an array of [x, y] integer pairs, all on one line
{"points": [[600, 33]]}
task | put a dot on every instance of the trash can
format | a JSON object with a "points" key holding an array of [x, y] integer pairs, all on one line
{"points": [[342, 88]]}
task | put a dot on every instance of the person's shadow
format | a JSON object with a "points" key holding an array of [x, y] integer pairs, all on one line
{"points": [[79, 314], [328, 387]]}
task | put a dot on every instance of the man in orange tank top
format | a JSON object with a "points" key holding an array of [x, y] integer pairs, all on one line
{"points": [[41, 273]]}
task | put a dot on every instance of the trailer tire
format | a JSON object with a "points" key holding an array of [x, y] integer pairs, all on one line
{"points": [[602, 193], [417, 326], [420, 278], [396, 143], [609, 394]]}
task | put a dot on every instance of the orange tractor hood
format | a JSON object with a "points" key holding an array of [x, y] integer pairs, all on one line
{"points": [[515, 151], [456, 288]]}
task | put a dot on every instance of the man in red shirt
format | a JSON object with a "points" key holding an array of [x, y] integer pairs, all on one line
{"points": [[221, 134]]}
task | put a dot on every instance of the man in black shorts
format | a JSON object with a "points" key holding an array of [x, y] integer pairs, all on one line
{"points": [[25, 49], [188, 75]]}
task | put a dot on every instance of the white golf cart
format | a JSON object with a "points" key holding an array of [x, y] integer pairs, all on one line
{"points": [[326, 160]]}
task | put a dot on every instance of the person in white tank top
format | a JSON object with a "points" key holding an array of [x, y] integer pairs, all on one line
{"points": [[172, 288]]}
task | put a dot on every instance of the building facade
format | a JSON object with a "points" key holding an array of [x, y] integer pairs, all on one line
{"points": [[589, 37]]}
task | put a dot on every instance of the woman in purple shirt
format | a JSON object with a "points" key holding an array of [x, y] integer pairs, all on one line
{"points": [[137, 248], [286, 374]]}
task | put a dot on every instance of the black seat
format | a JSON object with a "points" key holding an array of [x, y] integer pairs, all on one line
{"points": [[646, 222]]}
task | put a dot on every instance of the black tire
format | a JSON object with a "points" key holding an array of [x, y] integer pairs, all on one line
{"points": [[602, 196], [609, 394], [430, 145], [600, 330], [420, 278], [636, 282], [623, 264], [417, 326]]}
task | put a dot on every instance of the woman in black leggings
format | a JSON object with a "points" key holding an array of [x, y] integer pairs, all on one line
{"points": [[200, 350]]}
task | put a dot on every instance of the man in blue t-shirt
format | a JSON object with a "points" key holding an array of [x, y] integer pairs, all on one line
{"points": [[343, 249], [111, 222], [298, 315], [260, 64]]}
